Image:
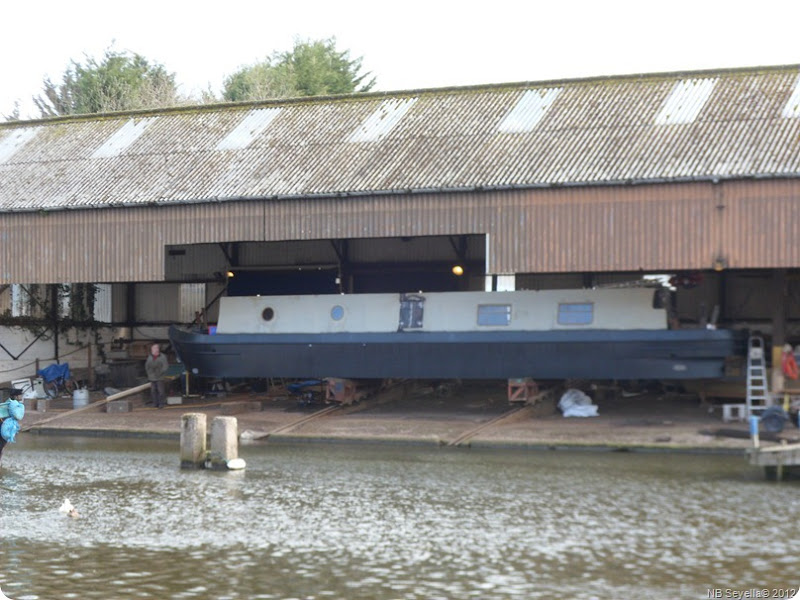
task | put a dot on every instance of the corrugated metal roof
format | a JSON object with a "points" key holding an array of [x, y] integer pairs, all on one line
{"points": [[651, 128], [14, 140]]}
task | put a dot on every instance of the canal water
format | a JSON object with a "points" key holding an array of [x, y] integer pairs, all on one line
{"points": [[376, 522]]}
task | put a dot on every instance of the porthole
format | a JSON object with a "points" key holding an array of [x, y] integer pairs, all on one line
{"points": [[337, 313], [268, 314]]}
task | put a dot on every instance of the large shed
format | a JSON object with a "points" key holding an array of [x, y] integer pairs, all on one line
{"points": [[534, 184]]}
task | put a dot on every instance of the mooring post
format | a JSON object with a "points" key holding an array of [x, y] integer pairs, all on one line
{"points": [[224, 442], [193, 441]]}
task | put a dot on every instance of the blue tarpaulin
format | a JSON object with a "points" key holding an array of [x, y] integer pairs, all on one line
{"points": [[54, 372], [300, 386]]}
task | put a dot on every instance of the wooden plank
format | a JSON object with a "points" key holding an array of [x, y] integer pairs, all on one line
{"points": [[781, 448], [389, 394], [465, 437], [298, 422], [780, 456], [91, 405]]}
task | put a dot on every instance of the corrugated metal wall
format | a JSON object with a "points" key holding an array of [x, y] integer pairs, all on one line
{"points": [[287, 254], [760, 226], [192, 298], [609, 229], [158, 302], [5, 299], [751, 224], [119, 303], [114, 245], [194, 262], [103, 309]]}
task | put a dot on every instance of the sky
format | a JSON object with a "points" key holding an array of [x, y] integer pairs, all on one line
{"points": [[412, 44]]}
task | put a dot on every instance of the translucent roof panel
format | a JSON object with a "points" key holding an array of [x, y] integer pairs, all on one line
{"points": [[250, 127], [792, 108], [123, 137], [382, 121], [684, 103], [529, 110], [14, 140]]}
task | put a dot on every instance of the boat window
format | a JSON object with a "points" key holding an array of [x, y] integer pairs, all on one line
{"points": [[268, 314], [494, 314], [337, 313], [412, 310], [575, 313]]}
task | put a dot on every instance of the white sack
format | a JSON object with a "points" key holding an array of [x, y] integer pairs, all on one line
{"points": [[574, 403]]}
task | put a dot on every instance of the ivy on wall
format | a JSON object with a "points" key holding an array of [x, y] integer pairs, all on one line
{"points": [[65, 310]]}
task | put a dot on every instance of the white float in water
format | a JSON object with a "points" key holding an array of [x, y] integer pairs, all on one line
{"points": [[234, 464]]}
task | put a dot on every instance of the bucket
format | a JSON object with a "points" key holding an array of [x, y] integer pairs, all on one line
{"points": [[80, 398]]}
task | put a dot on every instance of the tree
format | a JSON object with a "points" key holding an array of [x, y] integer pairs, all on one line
{"points": [[121, 81], [309, 69], [14, 116]]}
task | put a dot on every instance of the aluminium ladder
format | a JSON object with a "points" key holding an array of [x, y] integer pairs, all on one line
{"points": [[758, 397]]}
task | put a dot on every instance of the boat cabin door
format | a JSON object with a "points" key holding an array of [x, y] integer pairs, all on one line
{"points": [[412, 308]]}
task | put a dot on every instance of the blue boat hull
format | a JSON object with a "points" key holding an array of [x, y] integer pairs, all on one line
{"points": [[585, 354]]}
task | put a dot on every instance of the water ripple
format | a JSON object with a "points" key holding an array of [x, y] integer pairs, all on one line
{"points": [[388, 523]]}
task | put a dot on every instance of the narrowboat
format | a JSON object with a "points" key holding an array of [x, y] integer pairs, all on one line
{"points": [[606, 334]]}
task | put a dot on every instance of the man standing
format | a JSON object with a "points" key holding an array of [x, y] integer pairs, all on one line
{"points": [[156, 366]]}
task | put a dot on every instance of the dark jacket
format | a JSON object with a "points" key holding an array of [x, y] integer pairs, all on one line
{"points": [[155, 367]]}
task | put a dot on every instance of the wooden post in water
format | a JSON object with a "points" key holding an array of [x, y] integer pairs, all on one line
{"points": [[224, 442], [193, 441]]}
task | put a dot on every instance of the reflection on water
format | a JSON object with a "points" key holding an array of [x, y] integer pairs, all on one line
{"points": [[319, 521]]}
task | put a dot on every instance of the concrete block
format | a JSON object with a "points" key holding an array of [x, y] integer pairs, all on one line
{"points": [[734, 412], [119, 406], [224, 442], [193, 441], [43, 405]]}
